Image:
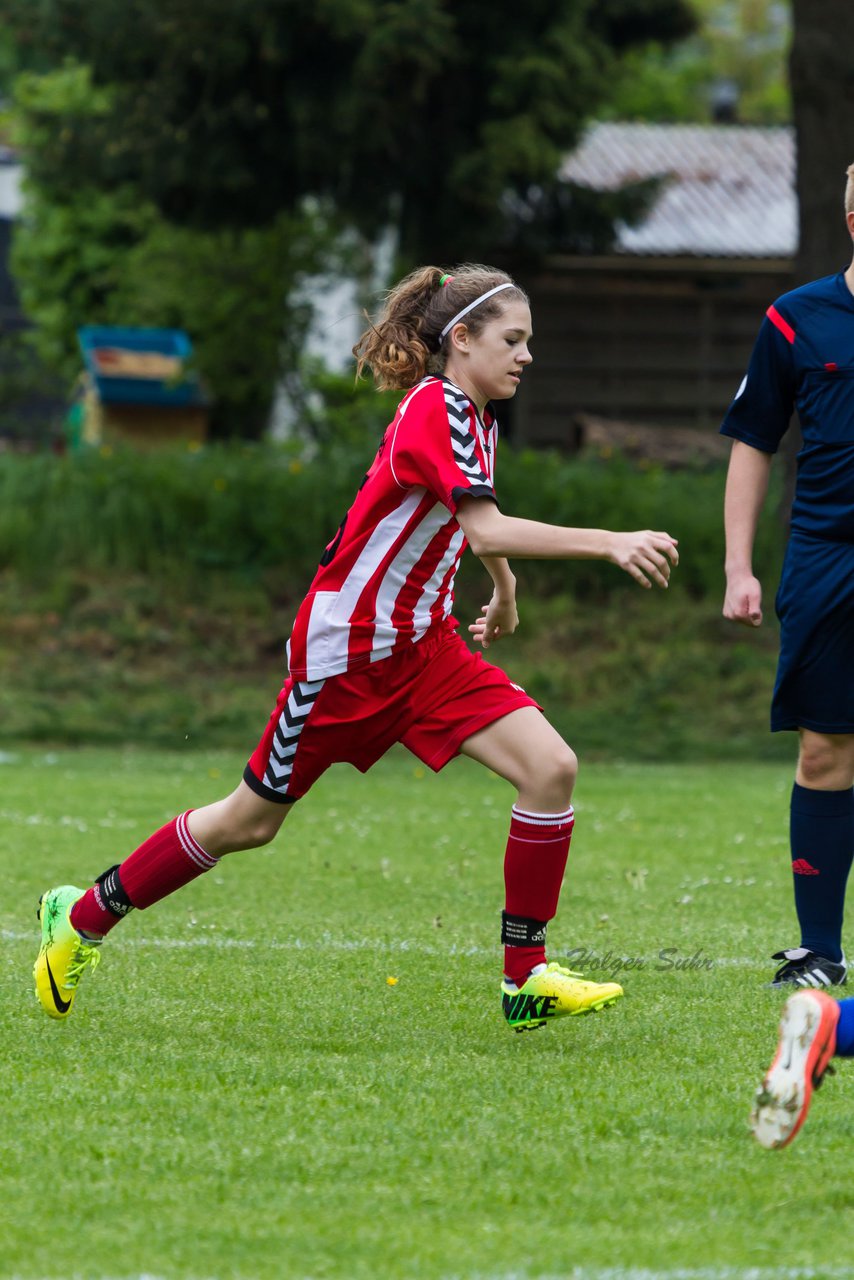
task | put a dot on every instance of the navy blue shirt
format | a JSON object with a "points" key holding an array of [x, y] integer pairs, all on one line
{"points": [[804, 360]]}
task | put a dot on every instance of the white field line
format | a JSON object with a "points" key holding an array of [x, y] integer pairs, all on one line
{"points": [[581, 1273], [668, 1273], [384, 945]]}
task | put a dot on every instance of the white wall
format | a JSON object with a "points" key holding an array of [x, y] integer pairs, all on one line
{"points": [[10, 188]]}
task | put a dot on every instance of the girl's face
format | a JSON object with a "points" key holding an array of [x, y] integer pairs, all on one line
{"points": [[488, 365]]}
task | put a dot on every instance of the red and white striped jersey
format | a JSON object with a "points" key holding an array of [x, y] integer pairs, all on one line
{"points": [[387, 577]]}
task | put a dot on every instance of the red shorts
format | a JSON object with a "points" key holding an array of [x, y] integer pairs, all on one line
{"points": [[430, 697]]}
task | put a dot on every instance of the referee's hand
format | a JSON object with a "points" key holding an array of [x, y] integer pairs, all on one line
{"points": [[743, 600]]}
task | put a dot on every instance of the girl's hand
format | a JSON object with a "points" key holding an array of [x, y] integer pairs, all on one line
{"points": [[498, 618], [646, 555]]}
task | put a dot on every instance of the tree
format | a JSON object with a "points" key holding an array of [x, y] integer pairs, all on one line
{"points": [[188, 162], [822, 84], [822, 80], [89, 253], [739, 48], [417, 113]]}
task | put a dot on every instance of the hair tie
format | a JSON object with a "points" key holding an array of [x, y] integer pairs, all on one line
{"points": [[445, 279]]}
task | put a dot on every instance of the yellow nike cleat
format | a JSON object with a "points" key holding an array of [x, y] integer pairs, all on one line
{"points": [[553, 992], [63, 956]]}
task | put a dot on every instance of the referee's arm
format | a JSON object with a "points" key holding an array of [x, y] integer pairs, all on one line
{"points": [[744, 497]]}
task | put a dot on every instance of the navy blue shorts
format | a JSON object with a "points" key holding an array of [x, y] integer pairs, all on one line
{"points": [[815, 605]]}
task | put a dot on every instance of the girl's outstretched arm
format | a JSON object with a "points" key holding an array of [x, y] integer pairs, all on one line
{"points": [[646, 554]]}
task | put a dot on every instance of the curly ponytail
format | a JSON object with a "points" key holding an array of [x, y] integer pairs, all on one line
{"points": [[406, 342]]}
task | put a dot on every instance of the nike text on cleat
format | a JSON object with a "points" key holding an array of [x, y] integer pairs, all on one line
{"points": [[804, 968], [63, 956], [807, 1043], [553, 992]]}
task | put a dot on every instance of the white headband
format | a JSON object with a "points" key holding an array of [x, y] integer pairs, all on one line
{"points": [[508, 284]]}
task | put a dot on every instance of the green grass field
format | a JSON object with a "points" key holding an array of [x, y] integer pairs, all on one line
{"points": [[241, 1091]]}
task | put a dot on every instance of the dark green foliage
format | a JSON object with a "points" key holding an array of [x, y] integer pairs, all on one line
{"points": [[624, 23], [190, 164], [563, 217], [96, 253], [30, 398], [410, 112], [68, 259], [93, 251], [236, 293]]}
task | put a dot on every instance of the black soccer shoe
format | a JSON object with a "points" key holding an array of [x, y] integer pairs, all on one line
{"points": [[804, 968]]}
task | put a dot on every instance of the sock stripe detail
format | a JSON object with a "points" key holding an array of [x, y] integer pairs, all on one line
{"points": [[560, 838], [191, 846], [542, 819]]}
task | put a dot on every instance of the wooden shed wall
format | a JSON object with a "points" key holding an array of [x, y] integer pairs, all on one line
{"points": [[661, 342]]}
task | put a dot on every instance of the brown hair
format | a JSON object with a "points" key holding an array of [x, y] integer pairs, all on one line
{"points": [[849, 190], [405, 343]]}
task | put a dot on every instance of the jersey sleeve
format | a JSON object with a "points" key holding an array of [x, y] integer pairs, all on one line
{"points": [[762, 409], [435, 447]]}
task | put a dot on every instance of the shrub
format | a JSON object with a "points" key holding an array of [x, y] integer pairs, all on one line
{"points": [[618, 494], [251, 509]]}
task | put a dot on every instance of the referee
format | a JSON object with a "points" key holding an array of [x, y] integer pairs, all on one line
{"points": [[803, 361]]}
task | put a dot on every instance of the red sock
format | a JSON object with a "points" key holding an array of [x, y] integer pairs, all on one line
{"points": [[167, 860], [537, 850]]}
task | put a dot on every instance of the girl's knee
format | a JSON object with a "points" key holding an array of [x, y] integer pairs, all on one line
{"points": [[232, 825], [552, 778], [566, 768], [257, 832]]}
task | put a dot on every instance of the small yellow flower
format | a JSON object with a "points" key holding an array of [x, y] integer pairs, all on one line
{"points": [[295, 466], [392, 982], [106, 451], [220, 485]]}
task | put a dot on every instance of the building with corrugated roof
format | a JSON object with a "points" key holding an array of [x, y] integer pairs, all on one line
{"points": [[658, 330], [727, 191]]}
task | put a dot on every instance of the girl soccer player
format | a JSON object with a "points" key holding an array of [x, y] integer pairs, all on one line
{"points": [[375, 658]]}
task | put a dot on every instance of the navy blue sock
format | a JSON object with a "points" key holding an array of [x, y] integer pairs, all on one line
{"points": [[845, 1030], [822, 841]]}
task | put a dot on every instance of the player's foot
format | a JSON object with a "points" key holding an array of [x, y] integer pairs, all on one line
{"points": [[804, 968], [63, 956], [553, 992], [807, 1043]]}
